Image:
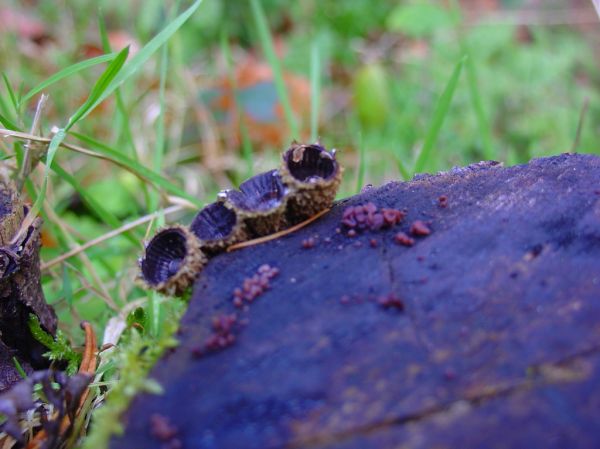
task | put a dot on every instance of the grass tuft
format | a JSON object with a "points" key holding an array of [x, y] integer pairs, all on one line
{"points": [[266, 41], [439, 115]]}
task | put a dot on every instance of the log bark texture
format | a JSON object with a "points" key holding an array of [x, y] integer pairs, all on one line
{"points": [[20, 291], [492, 338]]}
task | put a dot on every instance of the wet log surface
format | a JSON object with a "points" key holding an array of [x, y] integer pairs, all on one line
{"points": [[497, 344], [20, 291]]}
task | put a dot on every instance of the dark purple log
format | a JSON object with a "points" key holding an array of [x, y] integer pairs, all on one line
{"points": [[484, 333]]}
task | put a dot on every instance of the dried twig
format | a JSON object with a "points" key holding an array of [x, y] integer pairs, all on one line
{"points": [[28, 164], [596, 4], [277, 234], [72, 147]]}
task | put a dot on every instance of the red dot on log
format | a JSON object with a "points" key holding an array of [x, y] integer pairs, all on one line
{"points": [[419, 228], [402, 239]]}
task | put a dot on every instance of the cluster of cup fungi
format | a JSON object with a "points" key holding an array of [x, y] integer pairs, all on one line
{"points": [[305, 184]]}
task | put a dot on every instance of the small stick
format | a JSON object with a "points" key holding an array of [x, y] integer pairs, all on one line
{"points": [[88, 361], [27, 159], [268, 238], [73, 147]]}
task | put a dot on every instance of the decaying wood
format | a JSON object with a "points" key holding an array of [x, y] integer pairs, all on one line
{"points": [[482, 334], [20, 291]]}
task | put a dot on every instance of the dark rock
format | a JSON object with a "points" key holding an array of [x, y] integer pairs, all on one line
{"points": [[499, 347]]}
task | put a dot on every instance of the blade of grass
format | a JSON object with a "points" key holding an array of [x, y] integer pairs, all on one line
{"points": [[124, 127], [474, 93], [360, 178], [580, 122], [103, 32], [140, 58], [266, 41], [11, 94], [482, 122], [439, 114], [315, 90], [404, 172], [8, 124], [137, 168], [96, 208], [100, 87], [19, 368], [247, 152], [123, 115], [67, 288], [114, 156], [66, 72], [4, 109], [157, 160]]}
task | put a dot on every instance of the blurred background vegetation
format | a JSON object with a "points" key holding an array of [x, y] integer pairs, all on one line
{"points": [[229, 91]]}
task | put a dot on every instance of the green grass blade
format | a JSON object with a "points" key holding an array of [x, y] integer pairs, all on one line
{"points": [[100, 87], [8, 124], [123, 116], [362, 162], [266, 41], [11, 93], [315, 90], [439, 114], [247, 152], [66, 72], [137, 168], [404, 172], [4, 109], [103, 32], [474, 94], [482, 122], [140, 58], [98, 210], [159, 149], [67, 288], [97, 90], [19, 368]]}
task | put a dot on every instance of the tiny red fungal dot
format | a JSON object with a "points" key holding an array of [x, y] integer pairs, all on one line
{"points": [[419, 228], [402, 239]]}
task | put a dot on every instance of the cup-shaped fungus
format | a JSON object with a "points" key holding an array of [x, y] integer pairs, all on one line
{"points": [[172, 261], [313, 176], [260, 202], [218, 227]]}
